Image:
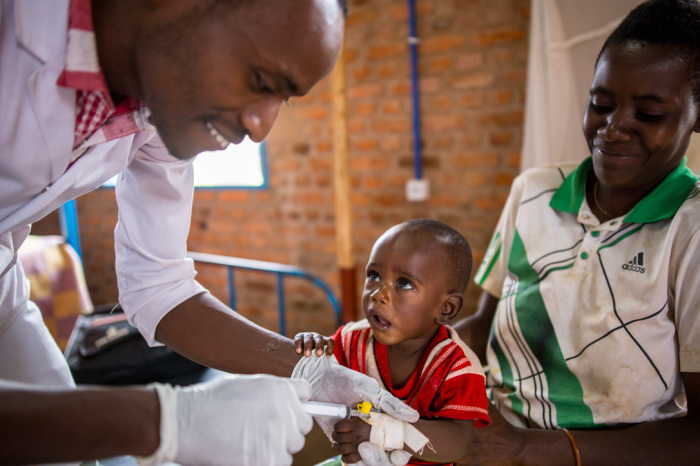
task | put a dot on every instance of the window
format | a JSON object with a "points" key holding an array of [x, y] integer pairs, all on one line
{"points": [[238, 166], [241, 165]]}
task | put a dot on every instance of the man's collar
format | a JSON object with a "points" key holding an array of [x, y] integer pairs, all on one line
{"points": [[662, 203], [82, 71]]}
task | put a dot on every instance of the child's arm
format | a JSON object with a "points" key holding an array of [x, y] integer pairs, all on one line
{"points": [[449, 439], [307, 341]]}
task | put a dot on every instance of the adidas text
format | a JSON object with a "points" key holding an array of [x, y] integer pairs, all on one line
{"points": [[633, 268]]}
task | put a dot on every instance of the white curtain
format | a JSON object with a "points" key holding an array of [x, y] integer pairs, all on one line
{"points": [[565, 38]]}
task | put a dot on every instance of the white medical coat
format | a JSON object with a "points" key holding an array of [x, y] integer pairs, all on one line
{"points": [[154, 189]]}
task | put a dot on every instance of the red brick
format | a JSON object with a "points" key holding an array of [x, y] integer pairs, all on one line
{"points": [[320, 163], [501, 138], [366, 108], [366, 144], [475, 159], [503, 179], [323, 146], [387, 70], [315, 113], [441, 43], [438, 65], [402, 88], [233, 195], [498, 36], [470, 61], [368, 162], [472, 80], [386, 51], [373, 182], [391, 107], [501, 97], [364, 92], [390, 126], [359, 18], [390, 143], [362, 73]]}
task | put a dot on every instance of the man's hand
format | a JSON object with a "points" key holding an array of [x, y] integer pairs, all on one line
{"points": [[235, 419], [331, 382]]}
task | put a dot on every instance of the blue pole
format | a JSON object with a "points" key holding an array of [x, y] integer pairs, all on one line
{"points": [[68, 216], [280, 298], [413, 48], [231, 289]]}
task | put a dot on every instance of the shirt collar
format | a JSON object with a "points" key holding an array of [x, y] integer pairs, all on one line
{"points": [[82, 70], [662, 203]]}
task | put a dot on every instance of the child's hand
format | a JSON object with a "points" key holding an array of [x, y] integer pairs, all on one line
{"points": [[307, 341], [348, 434]]}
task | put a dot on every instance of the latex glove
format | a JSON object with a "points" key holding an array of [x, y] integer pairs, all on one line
{"points": [[234, 419], [373, 455], [331, 382]]}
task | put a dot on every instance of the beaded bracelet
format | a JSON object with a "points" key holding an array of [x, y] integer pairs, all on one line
{"points": [[574, 446]]}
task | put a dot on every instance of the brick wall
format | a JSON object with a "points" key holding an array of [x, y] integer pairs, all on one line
{"points": [[472, 58]]}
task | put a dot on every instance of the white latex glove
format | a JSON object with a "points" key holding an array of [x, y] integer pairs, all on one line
{"points": [[373, 455], [331, 382], [234, 419]]}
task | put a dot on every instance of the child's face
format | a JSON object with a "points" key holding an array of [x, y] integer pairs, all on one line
{"points": [[405, 287], [640, 116]]}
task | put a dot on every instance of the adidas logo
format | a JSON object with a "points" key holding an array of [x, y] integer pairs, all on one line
{"points": [[636, 264]]}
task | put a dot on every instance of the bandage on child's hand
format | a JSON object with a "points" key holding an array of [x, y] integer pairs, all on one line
{"points": [[306, 342]]}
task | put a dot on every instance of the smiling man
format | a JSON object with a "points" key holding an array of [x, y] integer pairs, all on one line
{"points": [[137, 88]]}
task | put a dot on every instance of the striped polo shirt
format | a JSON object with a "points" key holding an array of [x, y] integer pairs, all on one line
{"points": [[596, 321]]}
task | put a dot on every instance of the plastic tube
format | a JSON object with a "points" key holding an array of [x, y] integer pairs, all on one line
{"points": [[336, 411]]}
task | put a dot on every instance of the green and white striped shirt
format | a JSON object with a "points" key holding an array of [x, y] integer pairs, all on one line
{"points": [[595, 322]]}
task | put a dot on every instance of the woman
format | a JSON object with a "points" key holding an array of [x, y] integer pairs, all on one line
{"points": [[592, 281]]}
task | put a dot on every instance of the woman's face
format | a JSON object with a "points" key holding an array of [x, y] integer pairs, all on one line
{"points": [[640, 116]]}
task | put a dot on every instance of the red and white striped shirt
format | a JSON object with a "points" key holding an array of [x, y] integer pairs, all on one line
{"points": [[447, 383], [97, 118]]}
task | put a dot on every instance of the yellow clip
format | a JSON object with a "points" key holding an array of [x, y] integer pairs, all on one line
{"points": [[364, 407]]}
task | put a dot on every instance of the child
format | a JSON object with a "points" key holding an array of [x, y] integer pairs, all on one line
{"points": [[416, 277]]}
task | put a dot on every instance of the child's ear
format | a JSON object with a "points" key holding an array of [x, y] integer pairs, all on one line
{"points": [[450, 308]]}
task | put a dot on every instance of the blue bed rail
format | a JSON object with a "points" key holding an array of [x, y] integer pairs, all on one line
{"points": [[280, 270]]}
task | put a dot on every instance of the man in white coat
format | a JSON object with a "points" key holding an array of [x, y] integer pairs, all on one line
{"points": [[92, 89]]}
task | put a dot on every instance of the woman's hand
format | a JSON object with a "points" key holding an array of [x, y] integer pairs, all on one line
{"points": [[497, 444]]}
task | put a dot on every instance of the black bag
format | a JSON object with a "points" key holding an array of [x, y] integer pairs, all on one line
{"points": [[104, 349]]}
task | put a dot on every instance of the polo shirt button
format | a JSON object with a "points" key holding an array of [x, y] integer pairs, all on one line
{"points": [[595, 233], [584, 255], [614, 222], [584, 216]]}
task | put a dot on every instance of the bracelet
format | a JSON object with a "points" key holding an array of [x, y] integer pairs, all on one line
{"points": [[574, 446]]}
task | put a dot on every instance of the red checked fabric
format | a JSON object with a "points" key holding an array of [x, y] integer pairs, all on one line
{"points": [[94, 106]]}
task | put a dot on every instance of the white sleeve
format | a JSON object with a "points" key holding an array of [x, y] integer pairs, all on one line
{"points": [[684, 298], [154, 196]]}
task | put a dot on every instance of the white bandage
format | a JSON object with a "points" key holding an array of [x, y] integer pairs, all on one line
{"points": [[391, 434]]}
